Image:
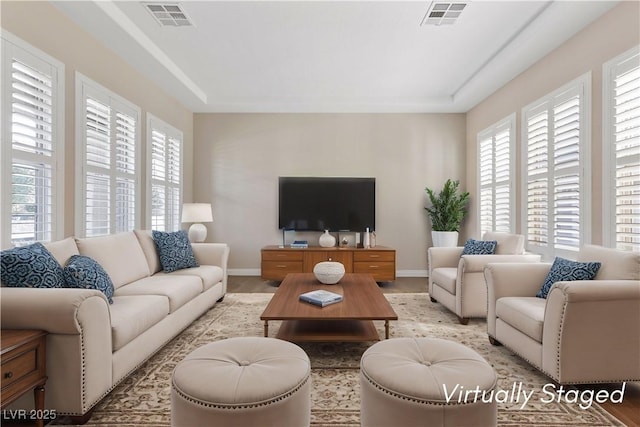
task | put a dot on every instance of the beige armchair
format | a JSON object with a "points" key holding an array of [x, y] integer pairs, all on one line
{"points": [[457, 281], [585, 331]]}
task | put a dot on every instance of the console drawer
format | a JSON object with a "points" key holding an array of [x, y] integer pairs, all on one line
{"points": [[277, 270], [282, 256], [381, 271], [374, 256]]}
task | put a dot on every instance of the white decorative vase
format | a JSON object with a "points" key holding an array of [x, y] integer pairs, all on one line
{"points": [[444, 238], [327, 240], [328, 272]]}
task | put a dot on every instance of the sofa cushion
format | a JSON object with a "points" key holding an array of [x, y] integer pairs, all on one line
{"points": [[564, 270], [63, 249], [119, 254], [479, 247], [209, 274], [31, 266], [526, 314], [616, 264], [132, 315], [175, 250], [445, 277], [179, 289], [508, 244], [85, 273], [150, 250]]}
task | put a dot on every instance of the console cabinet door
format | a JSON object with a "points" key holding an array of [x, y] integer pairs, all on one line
{"points": [[311, 258]]}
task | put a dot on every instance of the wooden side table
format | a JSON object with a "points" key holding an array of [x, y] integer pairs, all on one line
{"points": [[23, 368]]}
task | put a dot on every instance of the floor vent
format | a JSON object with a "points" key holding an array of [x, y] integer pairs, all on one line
{"points": [[443, 13], [168, 14]]}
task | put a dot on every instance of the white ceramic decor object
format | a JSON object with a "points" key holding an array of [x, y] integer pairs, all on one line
{"points": [[328, 272], [327, 240]]}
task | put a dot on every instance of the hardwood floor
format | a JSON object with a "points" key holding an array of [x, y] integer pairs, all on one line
{"points": [[628, 411]]}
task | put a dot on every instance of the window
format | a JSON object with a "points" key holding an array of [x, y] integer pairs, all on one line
{"points": [[621, 151], [495, 169], [109, 154], [165, 168], [32, 126], [556, 185]]}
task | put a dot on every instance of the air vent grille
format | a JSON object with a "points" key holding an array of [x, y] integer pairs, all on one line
{"points": [[443, 13], [168, 14]]}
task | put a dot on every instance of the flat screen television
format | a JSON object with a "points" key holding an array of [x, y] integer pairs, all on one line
{"points": [[319, 203]]}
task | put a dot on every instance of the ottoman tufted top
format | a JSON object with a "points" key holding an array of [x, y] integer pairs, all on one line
{"points": [[244, 371], [418, 368]]}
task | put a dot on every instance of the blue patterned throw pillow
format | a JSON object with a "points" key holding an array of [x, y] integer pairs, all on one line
{"points": [[564, 270], [479, 247], [85, 273], [30, 266], [174, 250]]}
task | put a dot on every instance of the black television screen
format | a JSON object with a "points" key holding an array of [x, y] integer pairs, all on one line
{"points": [[335, 204]]}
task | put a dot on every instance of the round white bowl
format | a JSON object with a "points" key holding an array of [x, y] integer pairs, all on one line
{"points": [[328, 272]]}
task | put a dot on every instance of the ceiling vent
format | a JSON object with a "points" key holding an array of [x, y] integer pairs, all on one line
{"points": [[443, 13], [168, 14]]}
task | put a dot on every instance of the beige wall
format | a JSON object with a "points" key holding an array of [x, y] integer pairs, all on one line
{"points": [[240, 156], [44, 27], [612, 34]]}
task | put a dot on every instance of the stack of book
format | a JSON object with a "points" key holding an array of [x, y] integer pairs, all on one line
{"points": [[321, 297], [300, 244]]}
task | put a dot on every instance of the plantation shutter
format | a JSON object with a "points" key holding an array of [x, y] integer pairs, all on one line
{"points": [[110, 158], [626, 152], [166, 177], [554, 183], [33, 151], [495, 156]]}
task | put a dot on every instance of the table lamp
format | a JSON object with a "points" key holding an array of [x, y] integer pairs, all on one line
{"points": [[197, 213]]}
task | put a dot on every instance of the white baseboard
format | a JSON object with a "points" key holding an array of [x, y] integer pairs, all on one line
{"points": [[256, 272]]}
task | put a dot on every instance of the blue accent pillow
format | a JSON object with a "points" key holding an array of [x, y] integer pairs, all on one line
{"points": [[85, 273], [564, 270], [174, 250], [479, 247], [30, 266]]}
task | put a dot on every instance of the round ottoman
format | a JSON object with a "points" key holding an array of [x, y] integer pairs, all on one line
{"points": [[424, 381], [242, 382]]}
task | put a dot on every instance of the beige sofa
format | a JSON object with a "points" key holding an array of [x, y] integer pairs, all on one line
{"points": [[584, 331], [93, 345], [457, 281]]}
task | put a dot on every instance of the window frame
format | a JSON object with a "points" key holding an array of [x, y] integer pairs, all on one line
{"points": [[508, 123], [582, 85], [155, 123], [12, 47], [86, 87], [609, 159]]}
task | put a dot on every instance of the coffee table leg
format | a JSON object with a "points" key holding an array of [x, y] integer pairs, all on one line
{"points": [[386, 329], [266, 328]]}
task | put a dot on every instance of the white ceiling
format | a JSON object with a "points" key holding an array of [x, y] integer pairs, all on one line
{"points": [[333, 56]]}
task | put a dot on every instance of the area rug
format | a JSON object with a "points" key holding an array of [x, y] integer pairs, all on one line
{"points": [[144, 398]]}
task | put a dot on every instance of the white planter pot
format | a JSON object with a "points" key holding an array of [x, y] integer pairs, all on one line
{"points": [[444, 238]]}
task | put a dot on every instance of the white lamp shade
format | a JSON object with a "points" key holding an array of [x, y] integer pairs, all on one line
{"points": [[197, 212]]}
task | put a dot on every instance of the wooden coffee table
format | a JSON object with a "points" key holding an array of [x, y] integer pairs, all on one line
{"points": [[349, 320]]}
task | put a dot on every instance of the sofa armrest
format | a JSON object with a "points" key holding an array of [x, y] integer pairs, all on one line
{"points": [[592, 331], [511, 280], [477, 263], [52, 310], [444, 256], [213, 254], [79, 346]]}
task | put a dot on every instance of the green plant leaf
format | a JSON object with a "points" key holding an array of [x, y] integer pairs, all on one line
{"points": [[448, 208]]}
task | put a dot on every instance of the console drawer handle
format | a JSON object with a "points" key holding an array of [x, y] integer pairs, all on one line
{"points": [[374, 266], [374, 256], [8, 374], [281, 266]]}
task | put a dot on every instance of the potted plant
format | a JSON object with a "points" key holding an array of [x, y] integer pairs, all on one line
{"points": [[447, 211]]}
